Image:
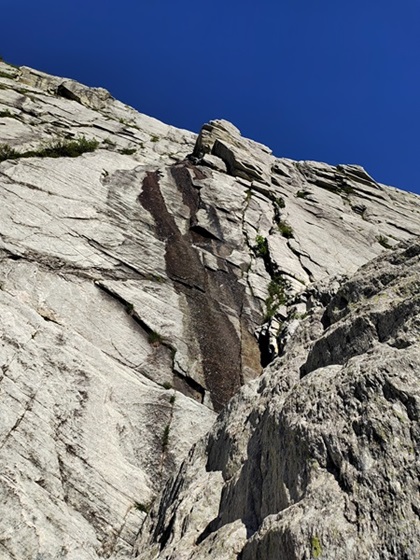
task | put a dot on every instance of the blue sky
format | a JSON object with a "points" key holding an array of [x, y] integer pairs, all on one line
{"points": [[327, 80]]}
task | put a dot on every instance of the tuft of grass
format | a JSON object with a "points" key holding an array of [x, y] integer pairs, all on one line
{"points": [[155, 338], [167, 385], [145, 508], [382, 240], [302, 194], [172, 399], [165, 437], [127, 151], [109, 142], [6, 113], [57, 148], [154, 138], [280, 202], [66, 148], [285, 229], [129, 308], [276, 295], [316, 548], [261, 247], [7, 152]]}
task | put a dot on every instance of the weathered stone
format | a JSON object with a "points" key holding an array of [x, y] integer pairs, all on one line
{"points": [[322, 465], [243, 158], [141, 285]]}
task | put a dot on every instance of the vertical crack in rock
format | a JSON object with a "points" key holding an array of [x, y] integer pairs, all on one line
{"points": [[208, 292]]}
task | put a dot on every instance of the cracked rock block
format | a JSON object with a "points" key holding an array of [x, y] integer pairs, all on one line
{"points": [[242, 157]]}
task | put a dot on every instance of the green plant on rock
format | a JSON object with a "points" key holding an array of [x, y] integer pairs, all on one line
{"points": [[316, 548], [66, 148], [261, 247], [7, 152], [145, 508], [382, 240], [155, 338], [127, 151], [280, 202], [302, 194], [285, 229], [165, 438], [277, 295], [154, 138], [108, 142], [129, 308], [57, 148]]}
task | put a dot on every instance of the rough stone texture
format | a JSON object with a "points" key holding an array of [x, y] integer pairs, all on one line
{"points": [[316, 459], [223, 140], [141, 285]]}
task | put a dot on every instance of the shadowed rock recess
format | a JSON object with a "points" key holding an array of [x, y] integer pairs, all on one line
{"points": [[206, 351]]}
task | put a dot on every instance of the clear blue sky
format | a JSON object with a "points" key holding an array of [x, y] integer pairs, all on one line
{"points": [[323, 80]]}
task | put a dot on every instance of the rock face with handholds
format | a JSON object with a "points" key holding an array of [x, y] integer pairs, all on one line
{"points": [[148, 276], [318, 457]]}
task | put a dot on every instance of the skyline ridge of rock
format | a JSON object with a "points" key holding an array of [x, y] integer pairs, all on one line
{"points": [[151, 278]]}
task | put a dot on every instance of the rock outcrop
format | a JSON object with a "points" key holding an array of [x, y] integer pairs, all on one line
{"points": [[319, 457], [146, 275]]}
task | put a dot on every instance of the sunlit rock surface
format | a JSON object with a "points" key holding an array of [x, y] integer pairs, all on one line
{"points": [[142, 284], [319, 457]]}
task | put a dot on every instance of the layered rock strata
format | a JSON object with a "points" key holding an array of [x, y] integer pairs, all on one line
{"points": [[319, 457], [146, 274]]}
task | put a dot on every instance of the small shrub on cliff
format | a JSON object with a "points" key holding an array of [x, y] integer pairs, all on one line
{"points": [[57, 148], [127, 151], [7, 152], [261, 247], [154, 338], [285, 229], [67, 148], [276, 295], [280, 202]]}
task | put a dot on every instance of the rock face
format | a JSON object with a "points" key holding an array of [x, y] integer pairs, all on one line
{"points": [[318, 457], [146, 275]]}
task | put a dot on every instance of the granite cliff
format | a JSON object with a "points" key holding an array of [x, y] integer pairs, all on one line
{"points": [[206, 350]]}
